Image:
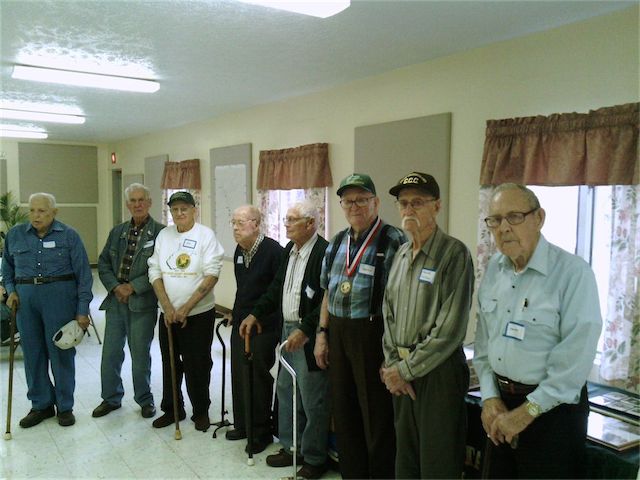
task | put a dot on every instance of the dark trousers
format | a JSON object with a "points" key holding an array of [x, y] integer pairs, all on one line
{"points": [[263, 351], [553, 446], [192, 349], [362, 406], [431, 430]]}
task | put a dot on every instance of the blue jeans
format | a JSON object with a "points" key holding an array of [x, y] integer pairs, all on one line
{"points": [[43, 310], [312, 405], [137, 328]]}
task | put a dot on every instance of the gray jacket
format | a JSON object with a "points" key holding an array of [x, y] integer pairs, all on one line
{"points": [[143, 299]]}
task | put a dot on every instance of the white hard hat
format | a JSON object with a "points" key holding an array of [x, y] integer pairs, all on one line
{"points": [[69, 335]]}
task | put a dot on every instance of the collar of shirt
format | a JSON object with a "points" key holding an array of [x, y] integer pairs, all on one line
{"points": [[538, 261], [249, 254], [305, 251], [56, 225], [142, 225], [356, 243], [430, 245]]}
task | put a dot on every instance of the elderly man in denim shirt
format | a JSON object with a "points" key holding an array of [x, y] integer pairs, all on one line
{"points": [[47, 275]]}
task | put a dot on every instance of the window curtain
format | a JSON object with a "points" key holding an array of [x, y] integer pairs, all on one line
{"points": [[183, 175], [301, 167], [596, 148]]}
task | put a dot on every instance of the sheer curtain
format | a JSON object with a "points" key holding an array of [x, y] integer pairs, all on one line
{"points": [[184, 175], [595, 148]]}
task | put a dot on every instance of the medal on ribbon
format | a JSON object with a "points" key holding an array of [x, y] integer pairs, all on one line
{"points": [[350, 268]]}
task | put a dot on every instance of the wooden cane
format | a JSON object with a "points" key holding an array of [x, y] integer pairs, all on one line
{"points": [[12, 351], [174, 382]]}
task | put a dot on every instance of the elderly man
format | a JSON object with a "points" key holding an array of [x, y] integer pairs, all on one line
{"points": [[354, 273], [47, 275], [131, 305], [426, 310], [539, 324], [256, 262], [295, 292], [183, 270]]}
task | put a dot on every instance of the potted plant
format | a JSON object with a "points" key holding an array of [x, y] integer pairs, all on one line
{"points": [[10, 215]]}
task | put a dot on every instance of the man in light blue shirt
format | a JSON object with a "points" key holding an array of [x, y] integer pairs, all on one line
{"points": [[539, 324]]}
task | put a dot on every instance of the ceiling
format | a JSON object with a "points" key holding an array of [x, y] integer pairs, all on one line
{"points": [[217, 56]]}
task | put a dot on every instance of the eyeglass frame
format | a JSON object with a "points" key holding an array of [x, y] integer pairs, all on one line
{"points": [[360, 200], [292, 221], [499, 218], [241, 223], [423, 202]]}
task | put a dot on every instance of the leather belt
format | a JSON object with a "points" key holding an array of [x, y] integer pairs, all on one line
{"points": [[507, 385], [43, 280]]}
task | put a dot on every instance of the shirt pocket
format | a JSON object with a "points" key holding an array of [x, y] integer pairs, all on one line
{"points": [[542, 327], [22, 257], [57, 259], [489, 309]]}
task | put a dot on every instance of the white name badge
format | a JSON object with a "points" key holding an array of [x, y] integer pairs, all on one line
{"points": [[240, 260], [515, 330], [367, 269], [427, 275], [189, 243], [49, 244], [309, 292], [148, 244]]}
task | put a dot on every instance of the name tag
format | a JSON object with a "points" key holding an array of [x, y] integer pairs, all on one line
{"points": [[240, 259], [148, 244], [309, 292], [515, 330], [189, 243], [427, 275], [367, 269], [49, 244]]}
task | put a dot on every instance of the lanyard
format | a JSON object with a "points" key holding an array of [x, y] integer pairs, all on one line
{"points": [[349, 268]]}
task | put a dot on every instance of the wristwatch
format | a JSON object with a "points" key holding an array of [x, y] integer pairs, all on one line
{"points": [[323, 329], [533, 409]]}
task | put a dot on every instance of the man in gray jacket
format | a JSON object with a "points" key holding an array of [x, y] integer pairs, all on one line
{"points": [[131, 304]]}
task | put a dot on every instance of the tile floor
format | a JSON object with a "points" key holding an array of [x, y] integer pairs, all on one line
{"points": [[121, 444]]}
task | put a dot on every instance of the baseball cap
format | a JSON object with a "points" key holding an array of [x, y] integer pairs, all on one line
{"points": [[419, 180], [359, 180], [69, 335], [185, 197]]}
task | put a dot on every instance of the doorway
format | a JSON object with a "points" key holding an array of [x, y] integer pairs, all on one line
{"points": [[116, 196]]}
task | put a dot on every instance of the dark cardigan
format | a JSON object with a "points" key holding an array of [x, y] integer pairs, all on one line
{"points": [[309, 310]]}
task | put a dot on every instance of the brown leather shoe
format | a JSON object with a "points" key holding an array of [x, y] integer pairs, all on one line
{"points": [[202, 422], [167, 419], [148, 411], [105, 408], [34, 417], [66, 419], [312, 471], [282, 459]]}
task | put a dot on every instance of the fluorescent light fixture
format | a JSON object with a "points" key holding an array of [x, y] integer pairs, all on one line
{"points": [[15, 131], [83, 79], [40, 116], [317, 8], [41, 107]]}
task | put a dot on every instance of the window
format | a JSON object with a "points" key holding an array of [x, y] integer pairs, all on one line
{"points": [[579, 220]]}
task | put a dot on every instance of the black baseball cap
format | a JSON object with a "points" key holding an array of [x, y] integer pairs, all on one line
{"points": [[419, 180], [185, 197]]}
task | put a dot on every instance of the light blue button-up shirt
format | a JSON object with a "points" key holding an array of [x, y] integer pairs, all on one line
{"points": [[539, 326], [59, 252]]}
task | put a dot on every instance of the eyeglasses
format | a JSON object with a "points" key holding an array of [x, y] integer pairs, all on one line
{"points": [[416, 203], [292, 220], [359, 202], [176, 210], [513, 218], [241, 223]]}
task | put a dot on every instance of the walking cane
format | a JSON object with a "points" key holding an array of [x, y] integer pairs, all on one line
{"points": [[223, 411], [249, 396], [294, 447], [174, 383], [12, 351]]}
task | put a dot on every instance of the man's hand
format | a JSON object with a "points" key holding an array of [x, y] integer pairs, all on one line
{"points": [[123, 292], [13, 301], [181, 316], [169, 315], [321, 350], [396, 384], [296, 340], [83, 321], [510, 424], [247, 325], [491, 408]]}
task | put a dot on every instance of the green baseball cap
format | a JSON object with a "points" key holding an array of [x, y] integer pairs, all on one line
{"points": [[359, 180]]}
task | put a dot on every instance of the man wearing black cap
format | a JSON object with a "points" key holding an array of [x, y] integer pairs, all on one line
{"points": [[353, 276], [184, 268], [426, 310]]}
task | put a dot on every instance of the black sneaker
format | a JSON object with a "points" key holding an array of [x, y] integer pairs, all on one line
{"points": [[34, 417], [103, 409]]}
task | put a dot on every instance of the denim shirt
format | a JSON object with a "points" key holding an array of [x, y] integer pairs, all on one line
{"points": [[59, 252]]}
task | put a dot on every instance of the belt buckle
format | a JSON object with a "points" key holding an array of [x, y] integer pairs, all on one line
{"points": [[38, 280]]}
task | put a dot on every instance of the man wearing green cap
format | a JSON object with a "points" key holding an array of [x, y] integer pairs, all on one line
{"points": [[353, 276]]}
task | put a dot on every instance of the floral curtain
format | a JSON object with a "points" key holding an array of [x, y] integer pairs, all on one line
{"points": [[620, 360], [301, 167], [486, 245]]}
